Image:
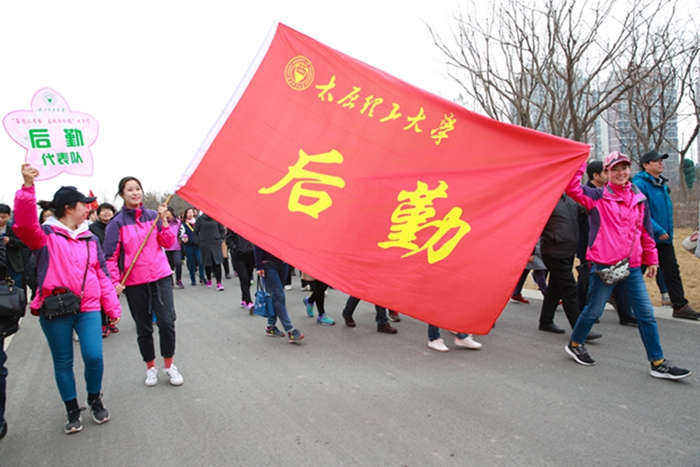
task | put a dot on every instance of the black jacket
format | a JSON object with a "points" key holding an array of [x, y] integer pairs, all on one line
{"points": [[14, 249], [561, 233], [98, 228], [238, 245], [3, 260]]}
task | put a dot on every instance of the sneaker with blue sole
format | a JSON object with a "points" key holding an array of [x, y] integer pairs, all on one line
{"points": [[325, 320], [309, 307]]}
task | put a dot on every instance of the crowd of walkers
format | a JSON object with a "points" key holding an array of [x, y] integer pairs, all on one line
{"points": [[139, 252]]}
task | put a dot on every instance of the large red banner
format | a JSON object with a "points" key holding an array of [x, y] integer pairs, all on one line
{"points": [[378, 188]]}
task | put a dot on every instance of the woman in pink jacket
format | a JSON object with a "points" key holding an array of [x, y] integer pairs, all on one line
{"points": [[620, 228], [69, 256], [148, 287]]}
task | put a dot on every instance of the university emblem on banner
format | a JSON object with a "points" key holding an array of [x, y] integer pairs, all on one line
{"points": [[299, 73]]}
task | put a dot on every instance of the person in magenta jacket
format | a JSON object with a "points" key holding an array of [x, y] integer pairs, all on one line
{"points": [[174, 252], [620, 228], [66, 252], [148, 288]]}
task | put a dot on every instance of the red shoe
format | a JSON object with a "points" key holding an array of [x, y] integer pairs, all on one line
{"points": [[105, 331], [519, 298], [113, 329]]}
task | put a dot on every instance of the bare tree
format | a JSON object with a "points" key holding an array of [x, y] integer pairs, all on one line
{"points": [[152, 199], [556, 65], [653, 107]]}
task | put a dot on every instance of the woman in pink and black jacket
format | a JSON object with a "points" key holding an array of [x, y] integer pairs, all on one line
{"points": [[69, 256], [621, 229], [148, 287]]}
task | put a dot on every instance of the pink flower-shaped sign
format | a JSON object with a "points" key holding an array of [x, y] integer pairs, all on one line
{"points": [[57, 139]]}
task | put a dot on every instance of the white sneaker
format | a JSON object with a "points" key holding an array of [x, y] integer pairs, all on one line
{"points": [[287, 287], [152, 376], [468, 343], [174, 375], [439, 345]]}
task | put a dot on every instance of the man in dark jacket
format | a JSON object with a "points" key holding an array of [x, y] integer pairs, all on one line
{"points": [[653, 185], [558, 245], [13, 246], [3, 355]]}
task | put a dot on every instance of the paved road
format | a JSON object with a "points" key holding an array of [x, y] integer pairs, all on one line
{"points": [[353, 397]]}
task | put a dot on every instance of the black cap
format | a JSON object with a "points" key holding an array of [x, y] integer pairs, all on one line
{"points": [[651, 156], [69, 195]]}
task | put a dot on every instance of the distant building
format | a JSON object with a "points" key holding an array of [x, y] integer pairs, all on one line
{"points": [[614, 132]]}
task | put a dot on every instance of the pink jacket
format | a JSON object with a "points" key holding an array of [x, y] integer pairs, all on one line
{"points": [[123, 237], [61, 258], [175, 227], [620, 223]]}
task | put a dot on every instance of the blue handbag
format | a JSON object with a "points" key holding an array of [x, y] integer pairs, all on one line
{"points": [[263, 301]]}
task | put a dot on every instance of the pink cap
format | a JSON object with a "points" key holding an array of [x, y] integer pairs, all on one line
{"points": [[615, 158]]}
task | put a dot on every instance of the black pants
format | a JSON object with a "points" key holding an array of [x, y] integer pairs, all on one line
{"points": [[244, 265], [381, 316], [672, 274], [175, 261], [562, 286], [318, 296], [156, 297], [216, 269]]}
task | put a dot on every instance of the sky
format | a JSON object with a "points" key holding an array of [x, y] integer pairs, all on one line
{"points": [[156, 75]]}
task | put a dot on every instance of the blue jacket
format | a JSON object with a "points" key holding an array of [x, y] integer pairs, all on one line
{"points": [[660, 205]]}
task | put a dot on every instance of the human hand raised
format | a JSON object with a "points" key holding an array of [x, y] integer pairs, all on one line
{"points": [[29, 173]]}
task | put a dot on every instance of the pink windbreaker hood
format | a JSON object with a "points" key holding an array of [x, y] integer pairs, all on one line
{"points": [[62, 256]]}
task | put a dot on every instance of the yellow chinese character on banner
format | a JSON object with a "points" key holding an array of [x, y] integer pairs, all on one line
{"points": [[393, 115], [370, 103], [414, 121], [298, 172], [325, 89], [414, 215], [349, 100], [447, 124]]}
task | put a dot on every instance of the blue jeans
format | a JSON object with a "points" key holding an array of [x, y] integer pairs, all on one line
{"points": [[275, 273], [59, 334], [636, 291], [434, 333], [193, 259]]}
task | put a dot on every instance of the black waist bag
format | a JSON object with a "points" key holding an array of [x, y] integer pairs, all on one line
{"points": [[60, 304]]}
